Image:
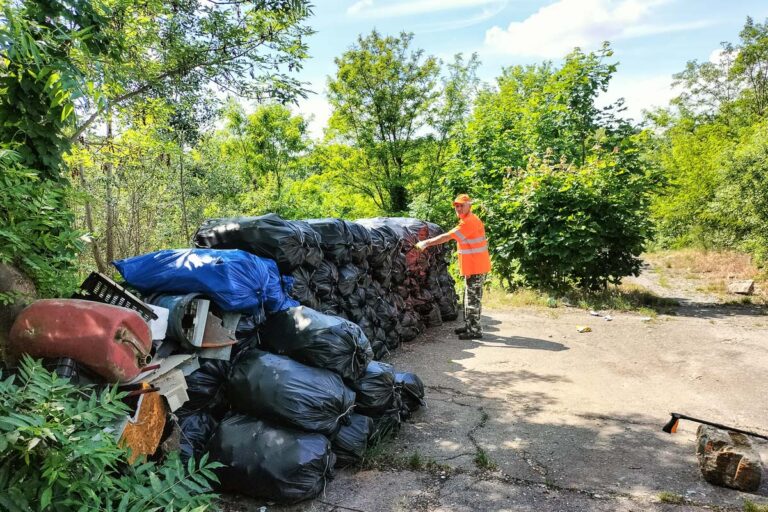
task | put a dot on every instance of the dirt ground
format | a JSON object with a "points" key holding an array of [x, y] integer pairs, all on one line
{"points": [[537, 416]]}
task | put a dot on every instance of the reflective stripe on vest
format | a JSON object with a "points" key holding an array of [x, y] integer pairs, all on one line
{"points": [[483, 248]]}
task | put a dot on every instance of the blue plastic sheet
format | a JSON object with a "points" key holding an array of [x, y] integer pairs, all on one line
{"points": [[235, 280]]}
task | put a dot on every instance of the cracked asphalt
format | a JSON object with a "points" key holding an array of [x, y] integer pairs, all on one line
{"points": [[566, 420]]}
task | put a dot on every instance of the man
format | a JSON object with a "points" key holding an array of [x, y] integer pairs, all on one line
{"points": [[474, 262]]}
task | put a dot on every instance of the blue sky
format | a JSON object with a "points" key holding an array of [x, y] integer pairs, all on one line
{"points": [[652, 39]]}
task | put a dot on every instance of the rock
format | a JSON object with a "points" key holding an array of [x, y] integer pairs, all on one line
{"points": [[742, 287], [728, 459], [13, 281]]}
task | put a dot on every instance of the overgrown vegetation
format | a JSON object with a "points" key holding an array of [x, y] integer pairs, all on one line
{"points": [[58, 454], [751, 506], [625, 297], [565, 189], [713, 153], [671, 497]]}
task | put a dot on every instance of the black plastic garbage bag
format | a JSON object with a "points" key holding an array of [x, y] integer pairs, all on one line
{"points": [[269, 462], [303, 287], [332, 305], [318, 340], [355, 303], [277, 387], [269, 236], [433, 318], [375, 392], [311, 243], [411, 390], [352, 440], [325, 279], [335, 239], [380, 348], [361, 242], [206, 388], [384, 241], [196, 430], [349, 275]]}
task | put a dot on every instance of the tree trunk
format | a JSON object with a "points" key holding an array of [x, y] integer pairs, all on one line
{"points": [[89, 223], [110, 228], [183, 196], [398, 199]]}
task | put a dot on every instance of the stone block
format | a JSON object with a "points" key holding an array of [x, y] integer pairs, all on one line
{"points": [[728, 459], [742, 287]]}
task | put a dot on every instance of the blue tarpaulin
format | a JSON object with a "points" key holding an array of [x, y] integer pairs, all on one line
{"points": [[235, 280]]}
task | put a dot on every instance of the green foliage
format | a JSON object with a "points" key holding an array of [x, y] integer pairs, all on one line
{"points": [[43, 44], [711, 151], [536, 110], [36, 228], [553, 226], [382, 96], [59, 452], [581, 222], [484, 461]]}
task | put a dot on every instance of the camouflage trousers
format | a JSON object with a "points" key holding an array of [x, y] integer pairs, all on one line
{"points": [[473, 296]]}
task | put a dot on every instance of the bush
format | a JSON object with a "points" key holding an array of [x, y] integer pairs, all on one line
{"points": [[58, 451], [554, 226], [36, 228]]}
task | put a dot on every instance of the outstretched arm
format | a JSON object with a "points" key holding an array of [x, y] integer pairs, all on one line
{"points": [[437, 240]]}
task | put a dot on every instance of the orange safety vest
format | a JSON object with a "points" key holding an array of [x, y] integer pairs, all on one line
{"points": [[473, 246]]}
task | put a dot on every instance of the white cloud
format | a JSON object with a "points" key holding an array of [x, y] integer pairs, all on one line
{"points": [[487, 12], [369, 9], [556, 29], [317, 110], [639, 93]]}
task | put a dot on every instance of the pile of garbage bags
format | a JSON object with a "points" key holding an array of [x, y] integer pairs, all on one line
{"points": [[265, 341], [367, 271]]}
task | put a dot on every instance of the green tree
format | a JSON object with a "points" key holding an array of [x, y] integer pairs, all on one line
{"points": [[382, 96], [173, 49], [708, 148], [561, 182], [535, 110], [751, 64], [270, 142]]}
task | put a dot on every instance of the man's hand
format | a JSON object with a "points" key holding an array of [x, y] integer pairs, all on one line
{"points": [[421, 245]]}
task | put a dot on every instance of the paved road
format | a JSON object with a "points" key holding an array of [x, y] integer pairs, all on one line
{"points": [[561, 420]]}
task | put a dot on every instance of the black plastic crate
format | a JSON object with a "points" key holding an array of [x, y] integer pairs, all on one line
{"points": [[99, 288]]}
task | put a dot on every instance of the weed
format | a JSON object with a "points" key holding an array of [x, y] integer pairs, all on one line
{"points": [[484, 461], [671, 497], [750, 506], [415, 462], [627, 297], [498, 298]]}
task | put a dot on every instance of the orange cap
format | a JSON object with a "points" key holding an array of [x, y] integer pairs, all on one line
{"points": [[462, 199]]}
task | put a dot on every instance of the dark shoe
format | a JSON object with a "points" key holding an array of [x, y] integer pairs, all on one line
{"points": [[460, 330], [470, 336]]}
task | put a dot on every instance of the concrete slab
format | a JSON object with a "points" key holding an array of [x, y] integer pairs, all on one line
{"points": [[537, 416]]}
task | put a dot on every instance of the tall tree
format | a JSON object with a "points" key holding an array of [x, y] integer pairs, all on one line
{"points": [[382, 95], [171, 49], [751, 64], [539, 110], [269, 142]]}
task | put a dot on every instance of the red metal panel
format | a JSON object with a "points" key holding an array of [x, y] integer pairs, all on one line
{"points": [[112, 341]]}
